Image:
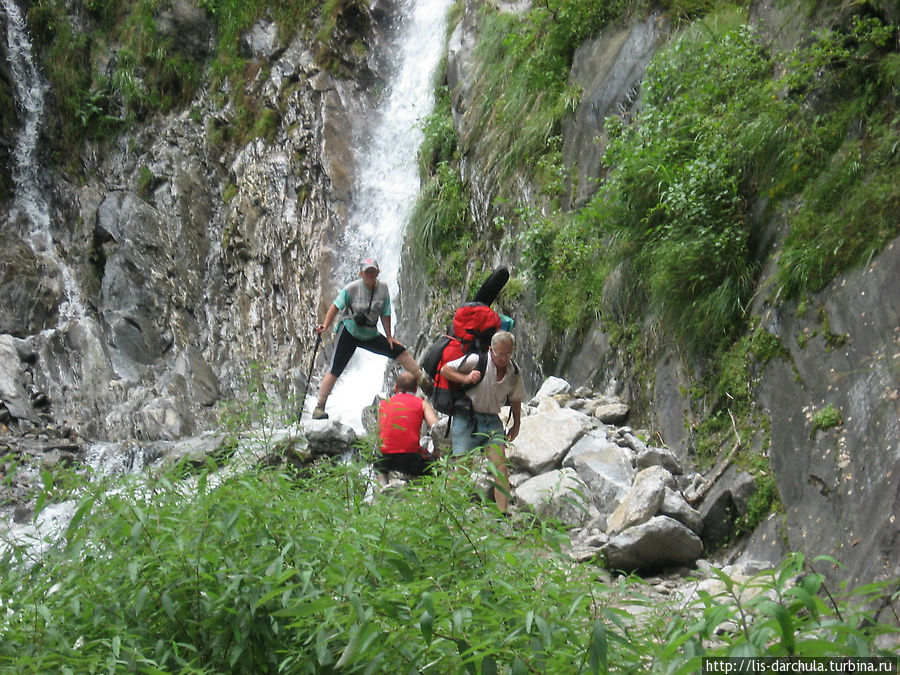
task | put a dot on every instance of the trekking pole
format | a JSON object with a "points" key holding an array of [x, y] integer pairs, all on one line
{"points": [[309, 372]]}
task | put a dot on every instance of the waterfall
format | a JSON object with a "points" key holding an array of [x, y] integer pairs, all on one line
{"points": [[30, 204], [387, 184]]}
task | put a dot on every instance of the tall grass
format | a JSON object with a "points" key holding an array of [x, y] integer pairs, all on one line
{"points": [[522, 90], [296, 572], [717, 136]]}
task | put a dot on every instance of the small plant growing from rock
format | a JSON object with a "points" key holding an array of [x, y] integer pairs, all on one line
{"points": [[826, 418]]}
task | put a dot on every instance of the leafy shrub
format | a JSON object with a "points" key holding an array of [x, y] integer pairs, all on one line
{"points": [[441, 228], [849, 212], [787, 611], [716, 132], [297, 573], [439, 135]]}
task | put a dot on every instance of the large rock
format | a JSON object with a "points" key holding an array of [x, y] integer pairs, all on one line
{"points": [[556, 494], [727, 500], [604, 468], [675, 506], [657, 543], [551, 387], [201, 380], [12, 376], [643, 500], [545, 438], [328, 437], [832, 482], [30, 289], [659, 457]]}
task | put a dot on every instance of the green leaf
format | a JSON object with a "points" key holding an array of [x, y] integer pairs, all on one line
{"points": [[406, 572], [426, 622], [303, 608], [785, 624], [140, 599], [518, 667], [544, 630], [598, 648], [806, 598], [83, 509], [361, 637], [168, 605], [465, 651], [488, 665], [135, 533]]}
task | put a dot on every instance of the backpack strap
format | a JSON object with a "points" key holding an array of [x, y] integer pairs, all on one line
{"points": [[371, 297]]}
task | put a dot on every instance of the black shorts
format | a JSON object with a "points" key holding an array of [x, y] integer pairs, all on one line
{"points": [[346, 344], [405, 462]]}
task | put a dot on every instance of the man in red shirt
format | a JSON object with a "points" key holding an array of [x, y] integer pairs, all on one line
{"points": [[400, 423]]}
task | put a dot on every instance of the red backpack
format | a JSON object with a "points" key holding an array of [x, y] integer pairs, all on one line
{"points": [[474, 324]]}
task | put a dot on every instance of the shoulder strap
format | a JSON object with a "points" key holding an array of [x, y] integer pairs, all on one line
{"points": [[372, 296], [350, 296], [482, 362]]}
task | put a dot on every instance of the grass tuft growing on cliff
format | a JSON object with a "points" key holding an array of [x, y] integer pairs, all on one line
{"points": [[718, 135], [112, 64], [522, 91]]}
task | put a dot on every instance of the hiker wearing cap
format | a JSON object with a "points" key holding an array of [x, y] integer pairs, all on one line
{"points": [[399, 425], [478, 425], [359, 306]]}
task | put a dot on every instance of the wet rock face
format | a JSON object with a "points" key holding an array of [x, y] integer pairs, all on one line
{"points": [[193, 258], [29, 292], [838, 473]]}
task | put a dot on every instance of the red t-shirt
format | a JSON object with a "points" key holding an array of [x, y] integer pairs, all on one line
{"points": [[400, 420]]}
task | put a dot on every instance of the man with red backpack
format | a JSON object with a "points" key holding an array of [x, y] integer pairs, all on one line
{"points": [[490, 382]]}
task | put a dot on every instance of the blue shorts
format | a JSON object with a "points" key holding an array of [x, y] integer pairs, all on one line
{"points": [[478, 431]]}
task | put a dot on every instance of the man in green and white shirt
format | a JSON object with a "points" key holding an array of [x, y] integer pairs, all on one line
{"points": [[360, 305]]}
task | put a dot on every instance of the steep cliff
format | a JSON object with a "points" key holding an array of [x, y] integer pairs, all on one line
{"points": [[186, 257], [814, 400]]}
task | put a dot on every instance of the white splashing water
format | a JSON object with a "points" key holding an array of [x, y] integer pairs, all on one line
{"points": [[30, 203], [388, 183]]}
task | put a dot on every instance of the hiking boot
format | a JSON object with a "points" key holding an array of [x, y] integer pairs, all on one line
{"points": [[319, 414], [426, 384]]}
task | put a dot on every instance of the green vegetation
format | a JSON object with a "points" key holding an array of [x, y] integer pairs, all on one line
{"points": [[121, 65], [730, 138], [149, 71], [281, 564], [676, 214], [440, 218], [293, 571], [826, 418], [716, 133]]}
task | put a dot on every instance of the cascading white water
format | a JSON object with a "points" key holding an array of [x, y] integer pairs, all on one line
{"points": [[30, 203], [388, 182]]}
